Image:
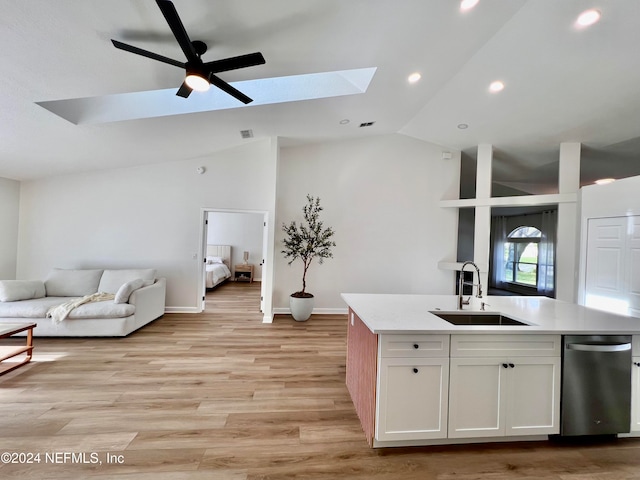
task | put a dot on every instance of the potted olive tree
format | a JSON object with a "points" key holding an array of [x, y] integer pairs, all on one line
{"points": [[307, 241]]}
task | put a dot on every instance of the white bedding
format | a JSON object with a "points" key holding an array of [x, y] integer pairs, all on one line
{"points": [[216, 273]]}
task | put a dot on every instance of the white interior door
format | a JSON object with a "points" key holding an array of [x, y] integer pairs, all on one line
{"points": [[612, 280], [604, 286], [633, 265], [202, 259], [265, 246]]}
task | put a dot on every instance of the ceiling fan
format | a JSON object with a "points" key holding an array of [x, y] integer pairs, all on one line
{"points": [[199, 75]]}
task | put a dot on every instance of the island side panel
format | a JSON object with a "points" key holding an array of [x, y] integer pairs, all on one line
{"points": [[362, 354]]}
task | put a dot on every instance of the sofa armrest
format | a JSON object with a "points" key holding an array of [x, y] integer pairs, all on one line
{"points": [[149, 301]]}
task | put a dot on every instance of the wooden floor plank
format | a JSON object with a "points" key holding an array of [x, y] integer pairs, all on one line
{"points": [[220, 395]]}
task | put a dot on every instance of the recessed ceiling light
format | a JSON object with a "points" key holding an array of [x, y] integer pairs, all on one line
{"points": [[468, 4], [588, 17], [414, 77], [344, 121], [604, 181], [463, 126], [496, 86]]}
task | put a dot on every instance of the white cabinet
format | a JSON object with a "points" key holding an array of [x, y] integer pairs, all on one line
{"points": [[635, 387], [510, 386], [412, 403], [477, 397], [413, 386], [635, 396], [533, 396]]}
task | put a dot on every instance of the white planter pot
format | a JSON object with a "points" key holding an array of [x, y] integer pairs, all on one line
{"points": [[301, 308]]}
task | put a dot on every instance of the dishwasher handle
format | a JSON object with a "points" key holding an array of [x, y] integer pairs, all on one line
{"points": [[599, 347]]}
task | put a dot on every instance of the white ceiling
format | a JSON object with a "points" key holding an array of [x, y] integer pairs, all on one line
{"points": [[562, 84]]}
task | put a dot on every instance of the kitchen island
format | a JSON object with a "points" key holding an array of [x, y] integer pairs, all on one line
{"points": [[416, 379]]}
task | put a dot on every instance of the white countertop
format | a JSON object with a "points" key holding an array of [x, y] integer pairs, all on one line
{"points": [[397, 313]]}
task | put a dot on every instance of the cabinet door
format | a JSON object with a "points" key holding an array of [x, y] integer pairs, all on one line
{"points": [[635, 396], [533, 396], [412, 398], [476, 397]]}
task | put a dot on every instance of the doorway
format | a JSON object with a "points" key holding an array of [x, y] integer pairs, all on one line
{"points": [[243, 237]]}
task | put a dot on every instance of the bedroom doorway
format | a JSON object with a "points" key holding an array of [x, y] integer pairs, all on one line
{"points": [[233, 274]]}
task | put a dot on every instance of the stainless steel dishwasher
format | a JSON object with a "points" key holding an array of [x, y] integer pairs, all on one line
{"points": [[596, 385]]}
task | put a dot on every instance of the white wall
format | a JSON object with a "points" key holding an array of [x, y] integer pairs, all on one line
{"points": [[243, 231], [619, 198], [380, 194], [147, 216], [9, 209]]}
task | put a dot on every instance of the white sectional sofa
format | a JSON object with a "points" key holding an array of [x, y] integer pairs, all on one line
{"points": [[135, 298]]}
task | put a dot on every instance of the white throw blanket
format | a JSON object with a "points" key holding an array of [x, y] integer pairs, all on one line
{"points": [[60, 312]]}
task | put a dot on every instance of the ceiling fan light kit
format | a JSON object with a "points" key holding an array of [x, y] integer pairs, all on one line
{"points": [[197, 82], [199, 75]]}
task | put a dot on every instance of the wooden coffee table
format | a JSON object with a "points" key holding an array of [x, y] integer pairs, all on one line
{"points": [[6, 352]]}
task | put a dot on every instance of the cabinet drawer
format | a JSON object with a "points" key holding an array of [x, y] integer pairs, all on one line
{"points": [[505, 345], [411, 346]]}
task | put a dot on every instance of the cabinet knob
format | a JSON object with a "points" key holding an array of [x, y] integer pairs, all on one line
{"points": [[416, 346], [504, 365], [415, 370], [512, 365], [636, 364]]}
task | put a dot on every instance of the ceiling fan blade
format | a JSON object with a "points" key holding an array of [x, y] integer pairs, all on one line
{"points": [[173, 19], [234, 63], [184, 91], [224, 86], [145, 53]]}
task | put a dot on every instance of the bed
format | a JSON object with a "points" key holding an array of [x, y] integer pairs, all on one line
{"points": [[218, 260]]}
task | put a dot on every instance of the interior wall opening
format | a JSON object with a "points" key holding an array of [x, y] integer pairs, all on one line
{"points": [[234, 253], [522, 251]]}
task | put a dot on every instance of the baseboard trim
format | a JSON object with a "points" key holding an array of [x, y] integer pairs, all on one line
{"points": [[266, 318], [316, 311], [182, 310]]}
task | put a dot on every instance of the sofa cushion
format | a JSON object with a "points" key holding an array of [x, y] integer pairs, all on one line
{"points": [[125, 291], [112, 280], [106, 309], [72, 283], [37, 308], [14, 290]]}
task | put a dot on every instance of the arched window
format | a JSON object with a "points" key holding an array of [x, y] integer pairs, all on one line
{"points": [[521, 256]]}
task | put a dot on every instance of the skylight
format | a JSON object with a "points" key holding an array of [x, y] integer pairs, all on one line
{"points": [[159, 103]]}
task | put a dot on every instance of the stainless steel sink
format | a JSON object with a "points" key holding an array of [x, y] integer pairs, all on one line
{"points": [[465, 318]]}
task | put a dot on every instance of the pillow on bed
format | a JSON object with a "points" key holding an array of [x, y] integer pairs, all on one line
{"points": [[212, 260], [125, 291], [14, 290]]}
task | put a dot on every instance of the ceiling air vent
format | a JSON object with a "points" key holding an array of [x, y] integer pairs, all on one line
{"points": [[366, 124], [246, 133]]}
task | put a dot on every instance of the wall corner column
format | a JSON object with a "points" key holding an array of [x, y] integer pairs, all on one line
{"points": [[482, 227], [567, 235]]}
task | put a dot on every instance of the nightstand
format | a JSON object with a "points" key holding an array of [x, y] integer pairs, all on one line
{"points": [[244, 273]]}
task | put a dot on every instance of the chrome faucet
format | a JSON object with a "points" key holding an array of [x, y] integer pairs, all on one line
{"points": [[462, 283]]}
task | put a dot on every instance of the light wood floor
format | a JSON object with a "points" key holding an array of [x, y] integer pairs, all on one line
{"points": [[223, 396]]}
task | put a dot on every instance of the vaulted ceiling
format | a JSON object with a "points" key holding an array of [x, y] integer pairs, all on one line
{"points": [[562, 83]]}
